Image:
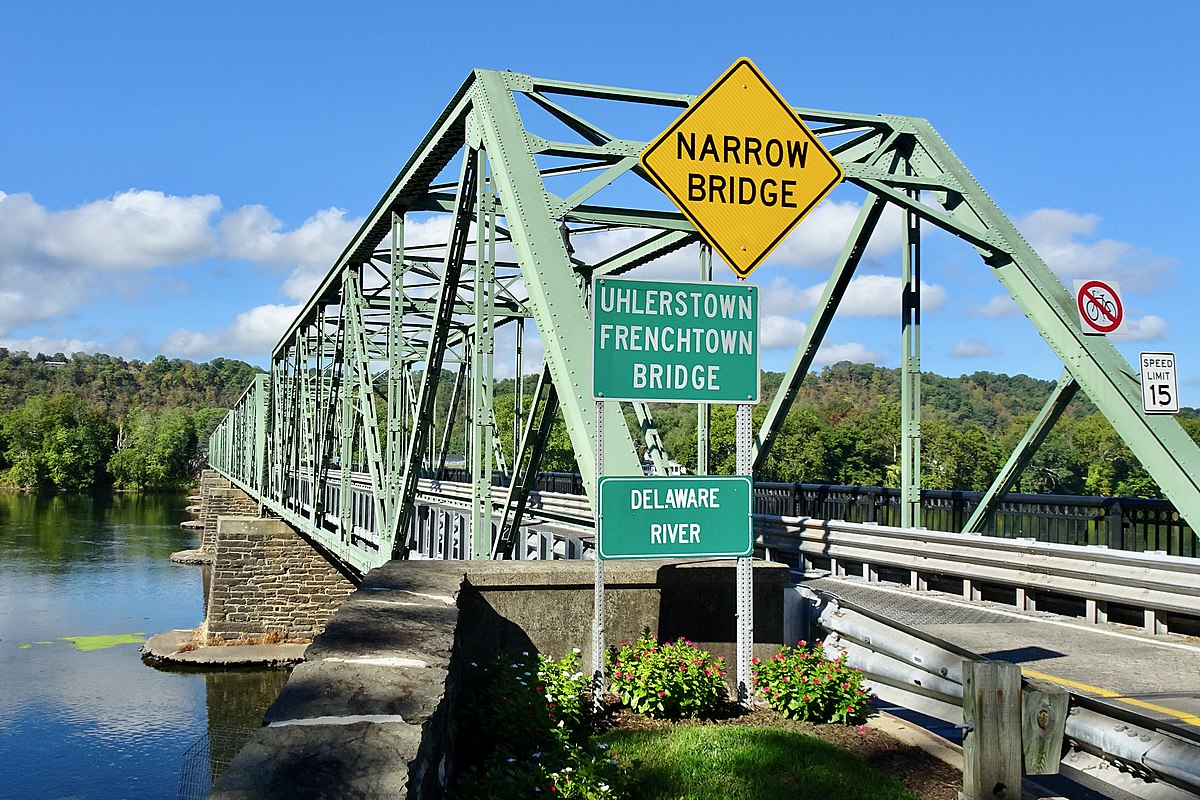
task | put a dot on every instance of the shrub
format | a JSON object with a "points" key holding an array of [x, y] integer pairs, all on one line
{"points": [[528, 734], [801, 683], [665, 680]]}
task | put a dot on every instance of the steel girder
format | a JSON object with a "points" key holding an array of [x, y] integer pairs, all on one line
{"points": [[356, 378]]}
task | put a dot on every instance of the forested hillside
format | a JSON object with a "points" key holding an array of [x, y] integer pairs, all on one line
{"points": [[91, 421], [85, 422], [845, 429]]}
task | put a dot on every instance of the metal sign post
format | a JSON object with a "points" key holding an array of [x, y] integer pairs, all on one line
{"points": [[598, 571], [745, 565]]}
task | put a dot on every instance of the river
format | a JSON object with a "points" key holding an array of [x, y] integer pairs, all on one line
{"points": [[82, 582]]}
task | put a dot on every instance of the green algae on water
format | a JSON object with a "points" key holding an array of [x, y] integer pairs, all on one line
{"points": [[104, 641]]}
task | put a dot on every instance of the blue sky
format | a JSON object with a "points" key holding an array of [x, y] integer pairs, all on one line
{"points": [[175, 178]]}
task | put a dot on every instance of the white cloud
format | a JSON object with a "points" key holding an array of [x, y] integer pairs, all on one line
{"points": [[133, 230], [28, 296], [848, 351], [818, 239], [972, 348], [1001, 305], [1148, 328], [777, 331], [866, 296], [53, 262], [255, 234], [252, 334], [51, 345], [1055, 233]]}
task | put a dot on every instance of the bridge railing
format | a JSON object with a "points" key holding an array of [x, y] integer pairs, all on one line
{"points": [[1134, 524]]}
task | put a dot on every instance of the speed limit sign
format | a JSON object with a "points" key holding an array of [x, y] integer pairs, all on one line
{"points": [[1160, 393]]}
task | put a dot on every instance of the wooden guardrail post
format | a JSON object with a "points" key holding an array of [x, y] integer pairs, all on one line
{"points": [[992, 731], [1043, 725]]}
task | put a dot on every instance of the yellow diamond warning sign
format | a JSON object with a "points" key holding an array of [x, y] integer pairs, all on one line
{"points": [[742, 166]]}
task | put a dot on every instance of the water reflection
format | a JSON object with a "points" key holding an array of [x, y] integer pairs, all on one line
{"points": [[99, 723]]}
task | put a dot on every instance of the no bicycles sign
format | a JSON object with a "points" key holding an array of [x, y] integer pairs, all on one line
{"points": [[1099, 305]]}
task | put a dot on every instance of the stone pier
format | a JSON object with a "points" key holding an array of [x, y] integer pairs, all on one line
{"points": [[269, 584]]}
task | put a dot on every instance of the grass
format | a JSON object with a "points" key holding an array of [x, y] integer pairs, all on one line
{"points": [[748, 763]]}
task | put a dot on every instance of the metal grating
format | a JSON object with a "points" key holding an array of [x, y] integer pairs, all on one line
{"points": [[207, 758], [908, 609]]}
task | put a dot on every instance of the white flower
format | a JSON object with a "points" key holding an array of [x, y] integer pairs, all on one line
{"points": [[524, 652], [560, 724], [576, 650], [604, 787], [603, 745]]}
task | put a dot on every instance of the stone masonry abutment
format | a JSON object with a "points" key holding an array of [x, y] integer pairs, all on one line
{"points": [[268, 583]]}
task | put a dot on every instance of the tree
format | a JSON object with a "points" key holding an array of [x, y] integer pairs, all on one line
{"points": [[61, 443], [957, 456], [158, 450]]}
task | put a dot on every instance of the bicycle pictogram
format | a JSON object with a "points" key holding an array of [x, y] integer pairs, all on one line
{"points": [[1099, 304]]}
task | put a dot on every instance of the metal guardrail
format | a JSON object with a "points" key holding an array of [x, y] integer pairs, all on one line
{"points": [[1121, 523], [916, 662], [1100, 580], [1156, 590]]}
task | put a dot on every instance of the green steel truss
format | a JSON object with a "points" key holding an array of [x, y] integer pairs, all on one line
{"points": [[522, 191]]}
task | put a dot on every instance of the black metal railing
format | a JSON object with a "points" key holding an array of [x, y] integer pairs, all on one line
{"points": [[1121, 523]]}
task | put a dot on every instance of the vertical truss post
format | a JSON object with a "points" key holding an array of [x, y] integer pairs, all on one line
{"points": [[451, 415], [555, 296], [910, 373], [347, 420], [526, 459], [482, 415], [654, 443], [362, 387], [1018, 460], [419, 438], [518, 390], [831, 297], [1158, 441], [396, 368], [261, 402]]}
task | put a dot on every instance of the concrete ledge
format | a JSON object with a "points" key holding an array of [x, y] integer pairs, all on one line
{"points": [[372, 711], [166, 648], [359, 687], [192, 557], [352, 760]]}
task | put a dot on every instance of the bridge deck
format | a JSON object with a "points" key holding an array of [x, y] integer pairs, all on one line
{"points": [[1154, 675]]}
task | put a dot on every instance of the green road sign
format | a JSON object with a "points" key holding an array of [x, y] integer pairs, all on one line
{"points": [[674, 341], [698, 516]]}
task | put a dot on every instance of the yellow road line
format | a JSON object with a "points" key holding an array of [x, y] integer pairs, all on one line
{"points": [[1182, 716]]}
